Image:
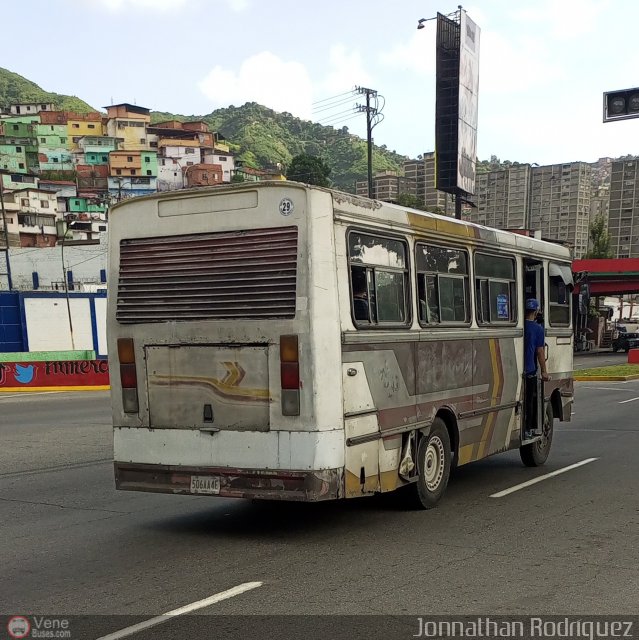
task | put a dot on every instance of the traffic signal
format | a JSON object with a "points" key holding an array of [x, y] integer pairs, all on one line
{"points": [[621, 105]]}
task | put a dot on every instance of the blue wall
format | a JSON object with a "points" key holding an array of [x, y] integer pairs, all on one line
{"points": [[12, 329]]}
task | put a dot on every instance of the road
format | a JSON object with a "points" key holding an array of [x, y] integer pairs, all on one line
{"points": [[599, 359], [73, 545]]}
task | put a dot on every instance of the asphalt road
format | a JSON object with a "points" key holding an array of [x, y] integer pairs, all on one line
{"points": [[73, 545], [599, 359]]}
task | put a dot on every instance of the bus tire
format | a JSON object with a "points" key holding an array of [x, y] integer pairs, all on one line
{"points": [[536, 453], [434, 462]]}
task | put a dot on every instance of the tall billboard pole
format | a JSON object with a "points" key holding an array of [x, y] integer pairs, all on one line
{"points": [[457, 97]]}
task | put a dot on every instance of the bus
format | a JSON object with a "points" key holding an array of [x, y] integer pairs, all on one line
{"points": [[282, 341]]}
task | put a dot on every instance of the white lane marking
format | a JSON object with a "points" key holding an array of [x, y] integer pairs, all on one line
{"points": [[523, 485], [631, 400], [165, 617], [579, 430], [610, 389], [29, 394]]}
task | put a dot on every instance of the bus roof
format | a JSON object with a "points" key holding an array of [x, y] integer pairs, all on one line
{"points": [[385, 211]]}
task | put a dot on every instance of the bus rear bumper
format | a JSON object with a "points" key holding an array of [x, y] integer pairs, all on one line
{"points": [[298, 486]]}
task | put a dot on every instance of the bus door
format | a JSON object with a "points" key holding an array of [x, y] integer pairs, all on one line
{"points": [[532, 390]]}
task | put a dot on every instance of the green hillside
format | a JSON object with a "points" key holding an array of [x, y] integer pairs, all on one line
{"points": [[15, 88], [257, 135], [262, 137]]}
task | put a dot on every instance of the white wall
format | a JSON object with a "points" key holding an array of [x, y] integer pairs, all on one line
{"points": [[227, 162], [48, 324], [169, 175]]}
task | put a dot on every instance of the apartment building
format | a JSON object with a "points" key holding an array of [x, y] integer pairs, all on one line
{"points": [[128, 123], [423, 172], [502, 198], [560, 204], [132, 173], [387, 186], [37, 213], [30, 108], [554, 200], [623, 214], [600, 203]]}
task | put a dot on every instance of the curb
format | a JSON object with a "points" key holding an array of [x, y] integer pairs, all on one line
{"points": [[605, 378]]}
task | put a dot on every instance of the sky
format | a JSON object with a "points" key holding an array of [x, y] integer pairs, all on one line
{"points": [[543, 64]]}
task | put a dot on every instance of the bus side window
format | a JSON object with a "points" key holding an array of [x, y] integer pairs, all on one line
{"points": [[428, 298], [483, 303], [360, 299], [379, 278], [442, 284], [495, 286]]}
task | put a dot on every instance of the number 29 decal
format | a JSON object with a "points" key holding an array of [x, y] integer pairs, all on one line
{"points": [[286, 206]]}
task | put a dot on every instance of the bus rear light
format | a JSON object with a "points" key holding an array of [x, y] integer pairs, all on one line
{"points": [[126, 351], [289, 350], [290, 375], [128, 375]]}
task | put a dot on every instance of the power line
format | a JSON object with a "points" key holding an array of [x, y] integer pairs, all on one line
{"points": [[332, 106], [351, 92], [341, 120], [336, 115]]}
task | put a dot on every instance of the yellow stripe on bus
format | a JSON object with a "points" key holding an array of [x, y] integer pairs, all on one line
{"points": [[492, 417]]}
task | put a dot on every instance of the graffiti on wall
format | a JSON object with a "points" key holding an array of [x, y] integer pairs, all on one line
{"points": [[57, 373]]}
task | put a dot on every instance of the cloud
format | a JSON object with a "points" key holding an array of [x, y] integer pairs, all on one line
{"points": [[262, 78], [347, 70], [238, 5], [164, 5], [506, 66], [157, 5], [416, 55], [565, 19]]}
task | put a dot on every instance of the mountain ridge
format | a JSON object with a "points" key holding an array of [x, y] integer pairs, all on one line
{"points": [[257, 135]]}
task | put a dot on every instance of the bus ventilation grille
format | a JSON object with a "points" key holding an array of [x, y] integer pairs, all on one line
{"points": [[239, 274]]}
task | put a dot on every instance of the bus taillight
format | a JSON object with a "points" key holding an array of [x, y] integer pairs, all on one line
{"points": [[290, 375], [128, 375]]}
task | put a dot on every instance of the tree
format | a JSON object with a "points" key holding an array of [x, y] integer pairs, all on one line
{"points": [[599, 240], [309, 169], [408, 200]]}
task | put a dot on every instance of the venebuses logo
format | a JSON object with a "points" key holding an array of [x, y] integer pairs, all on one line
{"points": [[18, 627]]}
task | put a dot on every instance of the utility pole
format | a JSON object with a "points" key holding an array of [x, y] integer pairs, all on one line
{"points": [[6, 235], [371, 112]]}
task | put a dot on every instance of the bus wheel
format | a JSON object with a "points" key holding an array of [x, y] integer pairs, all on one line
{"points": [[434, 460], [536, 453]]}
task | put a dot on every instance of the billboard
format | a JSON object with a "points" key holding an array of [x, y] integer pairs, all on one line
{"points": [[468, 103], [457, 93]]}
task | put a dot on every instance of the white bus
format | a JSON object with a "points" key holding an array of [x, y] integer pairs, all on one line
{"points": [[280, 341]]}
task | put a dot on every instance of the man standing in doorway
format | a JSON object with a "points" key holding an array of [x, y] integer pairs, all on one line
{"points": [[534, 355]]}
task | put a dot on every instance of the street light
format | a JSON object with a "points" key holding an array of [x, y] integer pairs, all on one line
{"points": [[62, 228]]}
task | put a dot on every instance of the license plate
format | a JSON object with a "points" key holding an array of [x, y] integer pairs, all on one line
{"points": [[205, 484]]}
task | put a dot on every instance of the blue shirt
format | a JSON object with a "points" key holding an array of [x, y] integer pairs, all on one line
{"points": [[533, 339]]}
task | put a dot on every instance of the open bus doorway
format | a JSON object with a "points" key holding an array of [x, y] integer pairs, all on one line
{"points": [[535, 437]]}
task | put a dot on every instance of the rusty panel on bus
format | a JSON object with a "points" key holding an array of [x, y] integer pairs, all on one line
{"points": [[208, 387]]}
